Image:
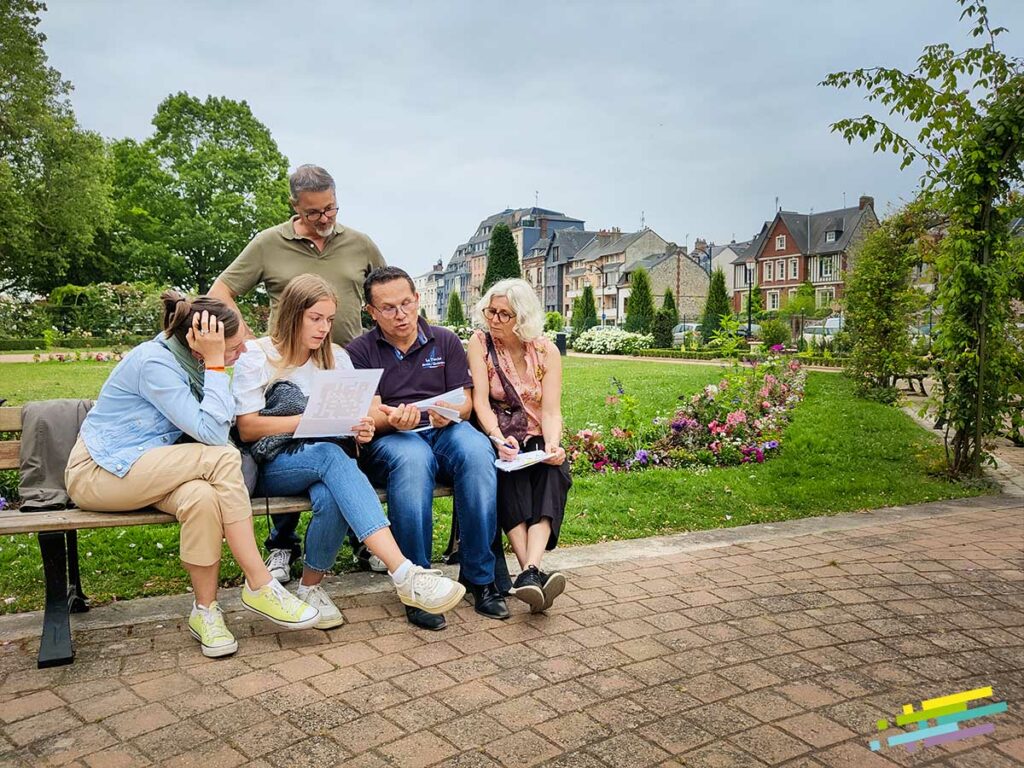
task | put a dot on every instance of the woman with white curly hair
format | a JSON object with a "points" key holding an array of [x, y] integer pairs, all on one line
{"points": [[517, 398]]}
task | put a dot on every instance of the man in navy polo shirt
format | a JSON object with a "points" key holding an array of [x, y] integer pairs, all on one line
{"points": [[413, 449]]}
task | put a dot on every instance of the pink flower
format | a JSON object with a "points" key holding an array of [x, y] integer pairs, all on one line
{"points": [[611, 400], [766, 405]]}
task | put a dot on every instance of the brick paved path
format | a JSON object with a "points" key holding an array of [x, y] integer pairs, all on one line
{"points": [[782, 647]]}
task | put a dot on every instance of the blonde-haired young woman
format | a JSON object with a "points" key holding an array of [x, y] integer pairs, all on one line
{"points": [[513, 360], [276, 372], [128, 457]]}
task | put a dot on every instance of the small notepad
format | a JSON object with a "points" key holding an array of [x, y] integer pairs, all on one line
{"points": [[527, 459]]}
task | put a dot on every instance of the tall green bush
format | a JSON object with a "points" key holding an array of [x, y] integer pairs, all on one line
{"points": [[664, 321], [716, 306], [455, 317], [640, 304]]}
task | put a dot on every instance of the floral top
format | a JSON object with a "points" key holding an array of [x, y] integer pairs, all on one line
{"points": [[529, 386]]}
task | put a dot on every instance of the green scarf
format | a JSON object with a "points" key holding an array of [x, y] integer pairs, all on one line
{"points": [[196, 374]]}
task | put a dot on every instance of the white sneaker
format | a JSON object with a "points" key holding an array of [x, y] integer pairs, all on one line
{"points": [[429, 590], [316, 596], [279, 563], [377, 565]]}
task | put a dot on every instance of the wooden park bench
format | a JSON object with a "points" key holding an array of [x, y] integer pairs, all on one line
{"points": [[58, 544]]}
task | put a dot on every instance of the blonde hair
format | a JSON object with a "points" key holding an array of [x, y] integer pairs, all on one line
{"points": [[524, 302], [301, 293]]}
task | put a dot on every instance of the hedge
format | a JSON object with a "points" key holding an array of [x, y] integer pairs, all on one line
{"points": [[747, 357], [6, 344], [97, 342]]}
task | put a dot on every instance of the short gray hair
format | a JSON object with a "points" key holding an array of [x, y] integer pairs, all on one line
{"points": [[524, 302], [309, 178]]}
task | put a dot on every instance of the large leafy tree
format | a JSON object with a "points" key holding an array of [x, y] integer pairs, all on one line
{"points": [[640, 304], [195, 192], [966, 109], [502, 258], [54, 177], [715, 306]]}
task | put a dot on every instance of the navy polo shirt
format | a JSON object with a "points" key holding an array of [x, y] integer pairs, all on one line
{"points": [[433, 365]]}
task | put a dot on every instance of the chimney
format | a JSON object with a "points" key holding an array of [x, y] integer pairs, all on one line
{"points": [[865, 201], [701, 245]]}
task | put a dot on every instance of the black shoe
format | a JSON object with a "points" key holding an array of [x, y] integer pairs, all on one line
{"points": [[487, 601], [553, 585], [529, 588], [424, 620]]}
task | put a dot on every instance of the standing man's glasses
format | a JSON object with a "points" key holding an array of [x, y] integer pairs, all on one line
{"points": [[326, 213]]}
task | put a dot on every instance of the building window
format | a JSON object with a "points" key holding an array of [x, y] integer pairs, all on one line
{"points": [[780, 243], [773, 299], [794, 269], [780, 270], [792, 294], [830, 237], [825, 296], [748, 274], [825, 267], [767, 273]]}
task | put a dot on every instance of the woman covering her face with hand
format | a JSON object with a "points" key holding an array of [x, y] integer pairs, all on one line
{"points": [[272, 381], [514, 358], [128, 456]]}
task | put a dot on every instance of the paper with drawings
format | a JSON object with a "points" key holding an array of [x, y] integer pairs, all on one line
{"points": [[454, 396], [522, 460], [339, 399]]}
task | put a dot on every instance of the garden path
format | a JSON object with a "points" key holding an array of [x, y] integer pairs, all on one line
{"points": [[775, 644]]}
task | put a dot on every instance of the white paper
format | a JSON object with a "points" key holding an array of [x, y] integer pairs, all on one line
{"points": [[449, 413], [522, 460], [339, 399], [455, 397]]}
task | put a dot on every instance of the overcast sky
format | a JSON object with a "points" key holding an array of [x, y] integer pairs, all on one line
{"points": [[432, 115]]}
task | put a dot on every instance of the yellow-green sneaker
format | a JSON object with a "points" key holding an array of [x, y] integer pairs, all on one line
{"points": [[207, 626], [274, 602]]}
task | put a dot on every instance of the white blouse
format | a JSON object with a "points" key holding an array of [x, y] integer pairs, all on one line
{"points": [[255, 372]]}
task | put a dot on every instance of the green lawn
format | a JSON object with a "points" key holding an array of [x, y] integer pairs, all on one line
{"points": [[840, 454]]}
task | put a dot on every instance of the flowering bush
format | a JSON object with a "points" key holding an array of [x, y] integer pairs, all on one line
{"points": [[736, 421], [464, 332], [609, 340]]}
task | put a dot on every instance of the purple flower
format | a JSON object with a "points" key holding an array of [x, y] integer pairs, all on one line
{"points": [[777, 348], [3, 503], [641, 456], [771, 445]]}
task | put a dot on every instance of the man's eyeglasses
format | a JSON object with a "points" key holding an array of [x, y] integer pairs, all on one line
{"points": [[408, 307], [317, 215], [503, 317]]}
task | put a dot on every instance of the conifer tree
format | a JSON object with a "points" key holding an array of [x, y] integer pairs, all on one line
{"points": [[640, 306], [717, 304], [455, 317], [669, 303], [502, 258]]}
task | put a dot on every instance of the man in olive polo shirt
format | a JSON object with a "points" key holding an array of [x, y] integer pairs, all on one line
{"points": [[311, 241]]}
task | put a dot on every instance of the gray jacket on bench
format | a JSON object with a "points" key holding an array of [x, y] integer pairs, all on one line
{"points": [[49, 429]]}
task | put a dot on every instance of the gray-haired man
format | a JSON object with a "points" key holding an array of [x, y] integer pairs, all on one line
{"points": [[311, 241]]}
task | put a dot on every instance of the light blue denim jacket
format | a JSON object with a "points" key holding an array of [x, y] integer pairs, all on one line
{"points": [[146, 402]]}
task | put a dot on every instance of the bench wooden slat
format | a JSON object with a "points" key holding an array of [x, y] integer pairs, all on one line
{"points": [[13, 521], [10, 419], [9, 454]]}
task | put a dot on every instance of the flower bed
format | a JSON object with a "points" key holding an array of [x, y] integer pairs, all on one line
{"points": [[609, 340], [737, 421]]}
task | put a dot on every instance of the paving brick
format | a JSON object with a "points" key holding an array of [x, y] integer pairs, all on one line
{"points": [[252, 684], [15, 707], [469, 697], [172, 740], [621, 714], [521, 749], [770, 744], [815, 729], [104, 705], [128, 725], [288, 698], [71, 745], [418, 750], [315, 752], [721, 718], [524, 711], [473, 730], [40, 726], [676, 734], [366, 732], [628, 750], [573, 730], [269, 735]]}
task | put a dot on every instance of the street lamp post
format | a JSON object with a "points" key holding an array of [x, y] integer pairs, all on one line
{"points": [[750, 291]]}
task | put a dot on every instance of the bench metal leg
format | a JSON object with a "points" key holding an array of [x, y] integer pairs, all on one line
{"points": [[77, 601], [55, 646]]}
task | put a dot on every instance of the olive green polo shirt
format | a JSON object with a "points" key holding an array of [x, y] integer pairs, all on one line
{"points": [[277, 254]]}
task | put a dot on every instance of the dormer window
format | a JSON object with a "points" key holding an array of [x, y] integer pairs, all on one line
{"points": [[830, 237]]}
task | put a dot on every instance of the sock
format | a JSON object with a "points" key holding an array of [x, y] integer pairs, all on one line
{"points": [[401, 572]]}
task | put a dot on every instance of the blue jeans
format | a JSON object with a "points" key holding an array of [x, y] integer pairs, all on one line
{"points": [[341, 497], [407, 464]]}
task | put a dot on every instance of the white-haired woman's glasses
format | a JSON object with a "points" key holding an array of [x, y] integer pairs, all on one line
{"points": [[503, 316]]}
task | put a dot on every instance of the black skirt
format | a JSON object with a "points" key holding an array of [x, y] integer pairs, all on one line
{"points": [[528, 495]]}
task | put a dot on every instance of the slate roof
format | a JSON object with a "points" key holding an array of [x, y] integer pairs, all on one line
{"points": [[570, 242], [647, 262], [844, 219], [754, 245]]}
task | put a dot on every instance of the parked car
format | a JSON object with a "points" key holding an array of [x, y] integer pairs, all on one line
{"points": [[679, 332], [813, 334], [755, 331]]}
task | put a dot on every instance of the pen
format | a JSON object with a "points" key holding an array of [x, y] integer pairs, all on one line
{"points": [[496, 440]]}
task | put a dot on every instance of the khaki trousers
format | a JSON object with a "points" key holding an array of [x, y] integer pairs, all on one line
{"points": [[201, 485]]}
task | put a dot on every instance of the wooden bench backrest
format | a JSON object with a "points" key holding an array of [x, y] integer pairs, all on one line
{"points": [[10, 421]]}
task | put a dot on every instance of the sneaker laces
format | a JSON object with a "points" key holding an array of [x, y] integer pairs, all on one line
{"points": [[213, 621], [279, 559], [288, 602], [426, 582]]}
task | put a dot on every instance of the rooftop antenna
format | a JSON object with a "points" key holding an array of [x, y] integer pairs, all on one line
{"points": [[844, 199], [536, 198], [642, 221], [777, 208]]}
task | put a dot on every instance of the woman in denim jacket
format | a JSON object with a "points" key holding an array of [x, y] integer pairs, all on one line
{"points": [[130, 455]]}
